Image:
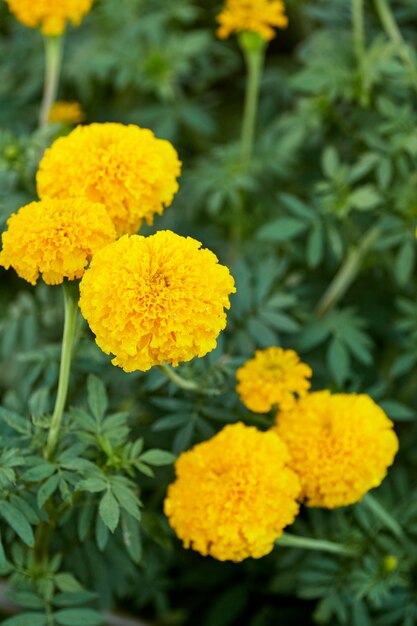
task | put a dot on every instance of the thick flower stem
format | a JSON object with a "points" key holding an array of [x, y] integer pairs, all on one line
{"points": [[358, 24], [71, 314], [253, 47], [187, 385], [53, 58], [346, 274], [391, 28], [383, 515], [305, 543]]}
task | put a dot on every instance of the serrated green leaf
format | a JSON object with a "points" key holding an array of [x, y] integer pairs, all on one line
{"points": [[18, 522], [282, 229], [78, 617], [157, 457], [109, 510], [97, 397]]}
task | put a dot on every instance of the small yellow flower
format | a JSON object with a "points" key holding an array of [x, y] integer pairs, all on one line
{"points": [[257, 16], [55, 238], [341, 446], [273, 377], [155, 299], [234, 494], [126, 168], [50, 15], [66, 112]]}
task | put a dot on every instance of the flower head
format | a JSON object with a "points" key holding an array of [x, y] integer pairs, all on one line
{"points": [[257, 16], [124, 167], [272, 377], [341, 446], [155, 299], [50, 15], [55, 238], [234, 494], [66, 112]]}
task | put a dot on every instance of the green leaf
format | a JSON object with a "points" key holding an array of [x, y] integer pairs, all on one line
{"points": [[93, 485], [78, 617], [26, 599], [39, 472], [19, 423], [18, 522], [315, 246], [157, 457], [132, 537], [338, 361], [398, 411], [404, 262], [282, 229], [365, 198], [109, 510], [67, 583], [97, 397], [330, 162]]}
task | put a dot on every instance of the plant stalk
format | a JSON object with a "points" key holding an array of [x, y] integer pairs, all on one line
{"points": [[53, 61], [187, 385], [393, 32], [346, 274], [383, 515], [254, 58], [292, 541], [71, 315]]}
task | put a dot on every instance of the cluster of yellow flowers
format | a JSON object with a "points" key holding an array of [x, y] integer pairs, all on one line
{"points": [[51, 15], [228, 489]]}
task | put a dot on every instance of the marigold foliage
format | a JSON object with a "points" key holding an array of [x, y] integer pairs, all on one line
{"points": [[271, 378], [127, 168], [234, 494], [257, 16], [341, 446], [55, 238], [155, 299], [66, 112], [50, 15]]}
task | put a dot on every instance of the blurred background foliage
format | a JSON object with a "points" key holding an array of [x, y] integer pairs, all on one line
{"points": [[332, 182]]}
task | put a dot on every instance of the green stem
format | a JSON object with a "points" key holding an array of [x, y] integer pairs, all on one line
{"points": [[71, 313], [359, 44], [188, 385], [382, 514], [53, 59], [346, 274], [391, 28], [253, 48], [292, 541]]}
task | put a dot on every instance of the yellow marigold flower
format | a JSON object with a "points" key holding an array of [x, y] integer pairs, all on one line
{"points": [[234, 494], [55, 238], [272, 377], [341, 446], [50, 15], [155, 299], [66, 112], [257, 16], [124, 167]]}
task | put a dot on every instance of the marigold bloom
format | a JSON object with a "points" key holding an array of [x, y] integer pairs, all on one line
{"points": [[66, 112], [257, 16], [272, 377], [155, 299], [341, 446], [124, 167], [234, 494], [50, 15], [55, 238]]}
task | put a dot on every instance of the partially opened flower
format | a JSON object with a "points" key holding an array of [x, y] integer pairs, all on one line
{"points": [[341, 446], [55, 238], [256, 16], [66, 112], [274, 377], [126, 168], [155, 299], [50, 15], [234, 494]]}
